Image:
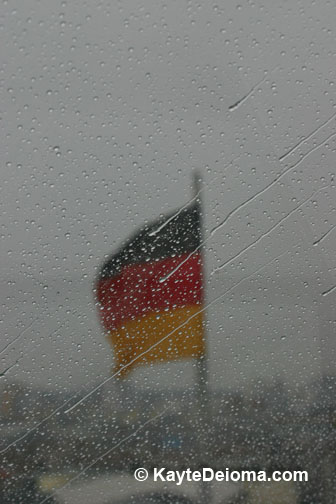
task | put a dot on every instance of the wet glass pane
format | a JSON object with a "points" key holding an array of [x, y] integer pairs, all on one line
{"points": [[167, 259]]}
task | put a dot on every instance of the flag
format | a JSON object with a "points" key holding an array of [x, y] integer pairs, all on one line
{"points": [[150, 293]]}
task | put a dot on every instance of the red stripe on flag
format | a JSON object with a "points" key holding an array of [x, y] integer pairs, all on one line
{"points": [[137, 290]]}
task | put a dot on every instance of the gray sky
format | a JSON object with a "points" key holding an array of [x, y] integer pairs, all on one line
{"points": [[106, 108]]}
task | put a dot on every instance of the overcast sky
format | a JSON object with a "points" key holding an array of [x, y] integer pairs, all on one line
{"points": [[106, 107]]}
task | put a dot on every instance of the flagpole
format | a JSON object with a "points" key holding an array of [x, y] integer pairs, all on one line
{"points": [[202, 367], [202, 378]]}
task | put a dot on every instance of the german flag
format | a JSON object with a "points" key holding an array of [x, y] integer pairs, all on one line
{"points": [[151, 291]]}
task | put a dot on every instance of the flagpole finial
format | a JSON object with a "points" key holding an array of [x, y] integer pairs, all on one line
{"points": [[197, 182]]}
